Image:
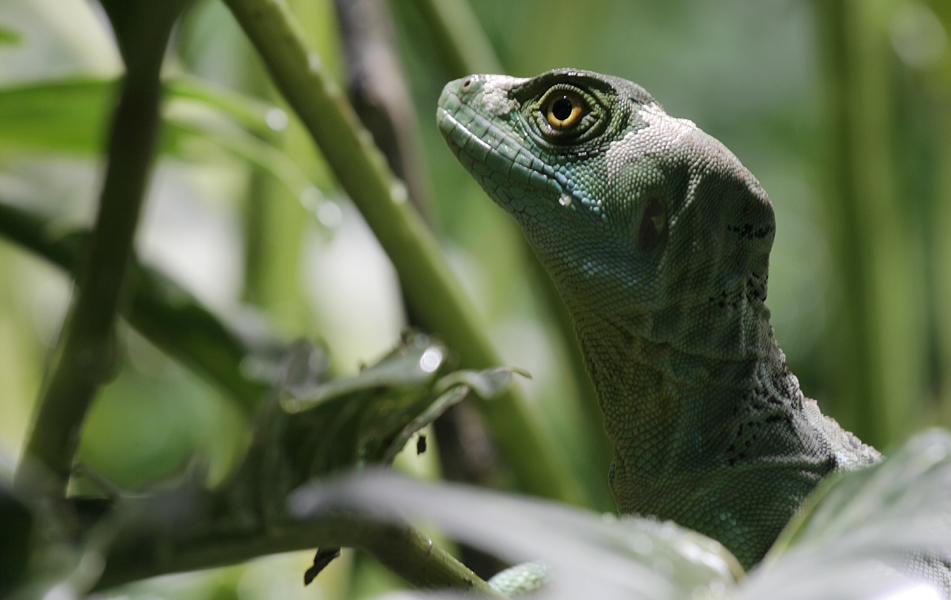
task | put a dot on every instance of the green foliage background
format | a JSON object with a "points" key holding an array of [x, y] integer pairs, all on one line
{"points": [[841, 109]]}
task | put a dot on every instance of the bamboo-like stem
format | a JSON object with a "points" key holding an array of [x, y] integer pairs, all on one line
{"points": [[148, 549], [875, 331], [432, 291], [85, 356], [841, 207], [465, 48]]}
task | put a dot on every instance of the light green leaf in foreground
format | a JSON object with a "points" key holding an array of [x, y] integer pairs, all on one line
{"points": [[9, 35], [61, 115], [881, 532], [590, 555]]}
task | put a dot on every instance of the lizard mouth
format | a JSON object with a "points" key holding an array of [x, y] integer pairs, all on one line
{"points": [[502, 165]]}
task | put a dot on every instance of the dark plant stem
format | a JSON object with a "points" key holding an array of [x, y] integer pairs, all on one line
{"points": [[85, 356], [170, 548]]}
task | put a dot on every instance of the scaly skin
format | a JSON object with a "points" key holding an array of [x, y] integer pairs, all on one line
{"points": [[658, 240]]}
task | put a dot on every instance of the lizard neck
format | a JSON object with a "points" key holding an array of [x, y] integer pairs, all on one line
{"points": [[713, 414], [695, 393]]}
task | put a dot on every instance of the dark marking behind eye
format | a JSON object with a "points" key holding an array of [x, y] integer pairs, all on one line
{"points": [[653, 225]]}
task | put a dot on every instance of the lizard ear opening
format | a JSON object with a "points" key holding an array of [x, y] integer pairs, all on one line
{"points": [[652, 228]]}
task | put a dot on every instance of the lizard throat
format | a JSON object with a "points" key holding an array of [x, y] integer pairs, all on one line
{"points": [[692, 439], [686, 425], [690, 403]]}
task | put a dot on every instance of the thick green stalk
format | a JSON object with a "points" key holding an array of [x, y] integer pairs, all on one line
{"points": [[466, 50], [85, 357], [852, 309], [465, 47], [431, 290], [940, 85], [874, 331], [148, 550]]}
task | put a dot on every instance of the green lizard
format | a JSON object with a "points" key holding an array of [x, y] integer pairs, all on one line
{"points": [[658, 240]]}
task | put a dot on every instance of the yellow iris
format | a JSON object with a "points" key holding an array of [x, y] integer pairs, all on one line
{"points": [[564, 110]]}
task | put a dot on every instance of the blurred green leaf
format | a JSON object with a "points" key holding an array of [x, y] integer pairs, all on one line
{"points": [[196, 138], [354, 421], [318, 426], [912, 484], [9, 35], [219, 348], [590, 555], [201, 116], [411, 367], [870, 533], [487, 384], [202, 120], [887, 526], [248, 112], [62, 115]]}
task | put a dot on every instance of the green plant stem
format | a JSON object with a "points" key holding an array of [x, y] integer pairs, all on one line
{"points": [[876, 333], [162, 311], [85, 355], [150, 551], [465, 47], [378, 90], [842, 206], [432, 291]]}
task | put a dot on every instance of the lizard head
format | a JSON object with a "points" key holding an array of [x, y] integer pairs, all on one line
{"points": [[640, 217]]}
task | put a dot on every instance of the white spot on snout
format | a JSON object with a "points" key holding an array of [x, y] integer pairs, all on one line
{"points": [[495, 94], [565, 201]]}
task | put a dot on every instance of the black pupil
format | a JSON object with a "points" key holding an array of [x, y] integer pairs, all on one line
{"points": [[561, 109]]}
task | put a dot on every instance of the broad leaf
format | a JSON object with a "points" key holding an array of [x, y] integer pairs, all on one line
{"points": [[882, 532], [320, 426], [63, 115], [590, 555], [887, 527], [9, 35]]}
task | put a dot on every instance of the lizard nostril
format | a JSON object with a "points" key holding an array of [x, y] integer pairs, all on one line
{"points": [[466, 83]]}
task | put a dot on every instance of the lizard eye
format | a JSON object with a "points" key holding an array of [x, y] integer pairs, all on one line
{"points": [[653, 225], [564, 110], [565, 116]]}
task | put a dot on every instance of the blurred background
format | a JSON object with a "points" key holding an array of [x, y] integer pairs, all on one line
{"points": [[842, 110]]}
